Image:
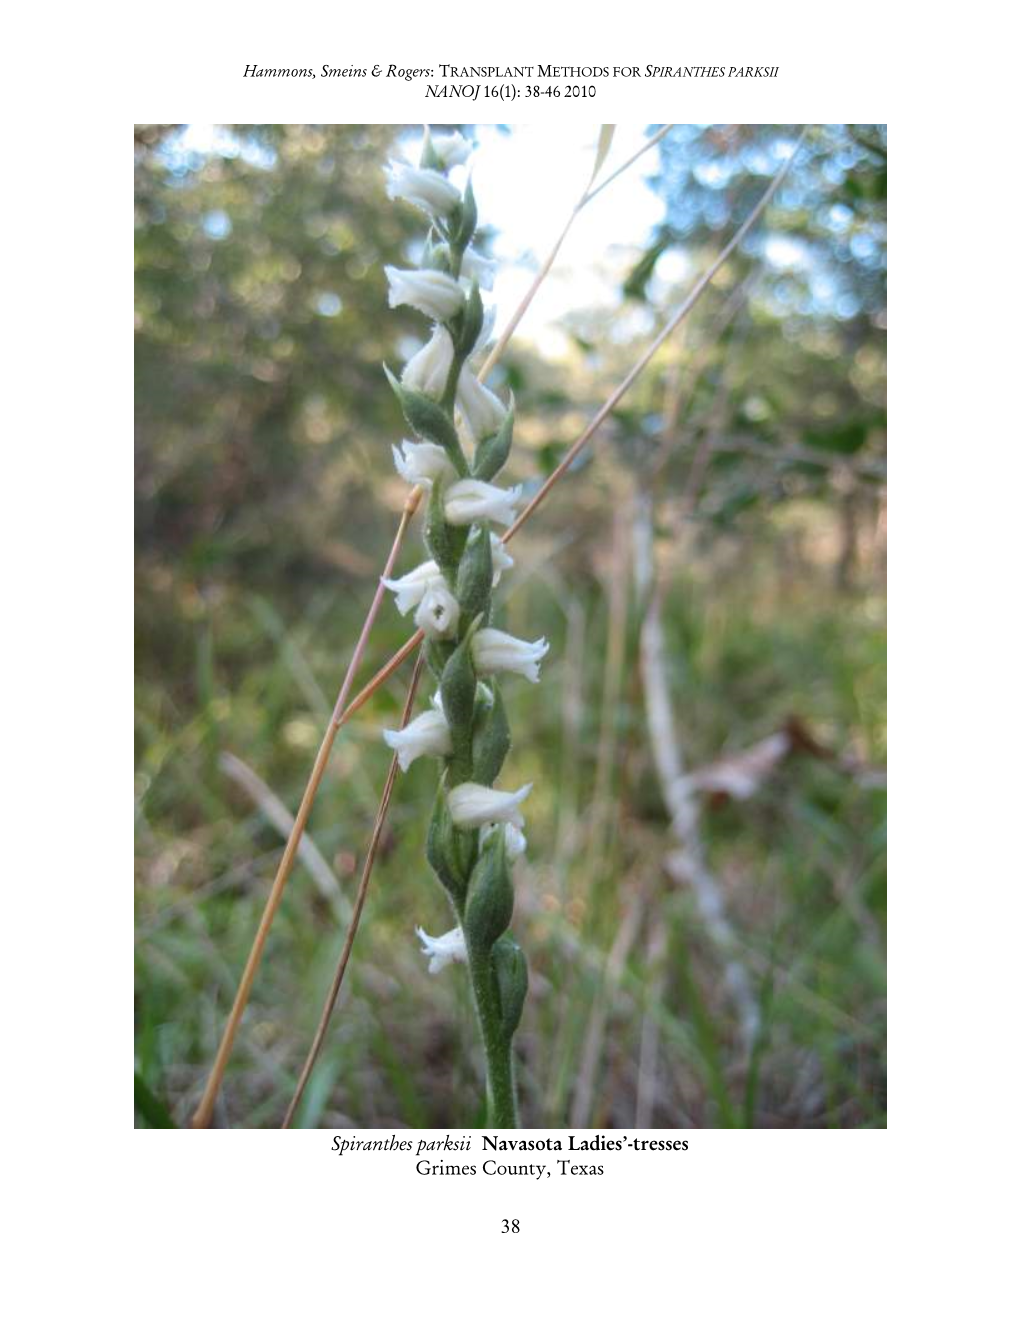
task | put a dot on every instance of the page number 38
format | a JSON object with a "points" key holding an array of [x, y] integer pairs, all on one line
{"points": [[511, 1225]]}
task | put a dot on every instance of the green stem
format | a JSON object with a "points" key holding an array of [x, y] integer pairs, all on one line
{"points": [[499, 1064]]}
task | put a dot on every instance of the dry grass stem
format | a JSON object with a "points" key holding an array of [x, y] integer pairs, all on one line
{"points": [[583, 1102], [499, 347], [684, 310], [280, 817], [359, 903], [203, 1114], [687, 865]]}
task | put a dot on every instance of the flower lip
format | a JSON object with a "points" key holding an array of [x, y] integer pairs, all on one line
{"points": [[474, 805], [495, 651], [428, 735], [439, 611], [430, 291], [426, 189], [421, 462], [410, 588], [443, 949], [470, 500]]}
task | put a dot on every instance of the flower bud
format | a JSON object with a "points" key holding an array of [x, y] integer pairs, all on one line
{"points": [[474, 577], [490, 897], [471, 327], [429, 370], [435, 256], [442, 849], [480, 412], [445, 541], [491, 741], [436, 294], [511, 968], [447, 149], [428, 421], [464, 221], [492, 453], [457, 690]]}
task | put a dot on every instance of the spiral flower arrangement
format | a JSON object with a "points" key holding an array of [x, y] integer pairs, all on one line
{"points": [[476, 829]]}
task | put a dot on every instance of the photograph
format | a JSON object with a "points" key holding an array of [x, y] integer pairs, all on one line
{"points": [[510, 625]]}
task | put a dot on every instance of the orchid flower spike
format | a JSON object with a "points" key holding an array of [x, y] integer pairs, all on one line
{"points": [[446, 405]]}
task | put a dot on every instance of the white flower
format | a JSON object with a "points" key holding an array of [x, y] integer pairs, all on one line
{"points": [[430, 291], [481, 412], [426, 189], [410, 588], [429, 369], [501, 560], [474, 266], [472, 805], [469, 500], [420, 464], [428, 735], [443, 949], [438, 614], [516, 843], [496, 651], [451, 148]]}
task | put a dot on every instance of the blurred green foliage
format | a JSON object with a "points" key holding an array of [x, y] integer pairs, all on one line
{"points": [[266, 502]]}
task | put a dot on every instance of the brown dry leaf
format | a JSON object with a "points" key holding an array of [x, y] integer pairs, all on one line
{"points": [[740, 775]]}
